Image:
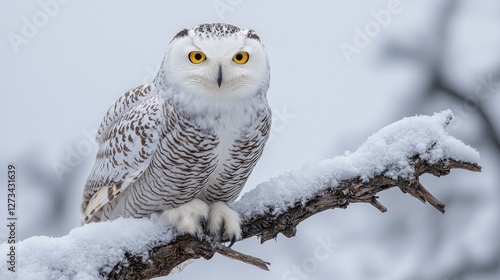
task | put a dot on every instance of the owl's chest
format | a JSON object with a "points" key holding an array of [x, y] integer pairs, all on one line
{"points": [[199, 147]]}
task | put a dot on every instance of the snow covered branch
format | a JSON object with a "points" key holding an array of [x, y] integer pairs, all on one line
{"points": [[267, 226], [396, 156]]}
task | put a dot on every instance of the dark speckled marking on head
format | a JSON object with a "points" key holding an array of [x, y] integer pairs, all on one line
{"points": [[217, 30], [182, 33], [252, 35]]}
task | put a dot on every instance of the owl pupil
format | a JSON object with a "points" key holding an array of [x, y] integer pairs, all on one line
{"points": [[197, 56], [239, 56]]}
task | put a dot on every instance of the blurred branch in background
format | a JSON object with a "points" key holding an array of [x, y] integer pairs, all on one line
{"points": [[430, 53]]}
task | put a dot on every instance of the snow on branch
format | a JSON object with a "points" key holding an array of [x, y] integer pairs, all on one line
{"points": [[396, 156]]}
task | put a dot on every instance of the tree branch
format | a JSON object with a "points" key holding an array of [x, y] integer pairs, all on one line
{"points": [[163, 259]]}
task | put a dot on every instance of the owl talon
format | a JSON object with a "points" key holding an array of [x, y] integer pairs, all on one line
{"points": [[232, 241], [203, 221], [224, 222], [188, 218], [221, 230]]}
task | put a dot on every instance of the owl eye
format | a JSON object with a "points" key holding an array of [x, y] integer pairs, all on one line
{"points": [[241, 57], [197, 57]]}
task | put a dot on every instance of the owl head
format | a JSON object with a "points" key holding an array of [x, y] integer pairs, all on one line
{"points": [[216, 61]]}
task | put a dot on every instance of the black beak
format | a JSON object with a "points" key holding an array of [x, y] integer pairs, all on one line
{"points": [[219, 76]]}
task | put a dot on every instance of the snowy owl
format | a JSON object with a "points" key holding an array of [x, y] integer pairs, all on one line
{"points": [[184, 145]]}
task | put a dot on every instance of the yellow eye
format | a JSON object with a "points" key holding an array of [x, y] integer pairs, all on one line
{"points": [[241, 57], [197, 57]]}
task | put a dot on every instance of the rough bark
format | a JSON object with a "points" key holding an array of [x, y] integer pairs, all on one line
{"points": [[162, 259]]}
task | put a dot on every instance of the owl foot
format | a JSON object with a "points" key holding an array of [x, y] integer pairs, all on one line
{"points": [[224, 222], [188, 218]]}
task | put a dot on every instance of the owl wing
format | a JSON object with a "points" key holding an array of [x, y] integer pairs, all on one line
{"points": [[124, 104], [127, 140]]}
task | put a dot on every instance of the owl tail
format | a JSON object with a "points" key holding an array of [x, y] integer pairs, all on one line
{"points": [[92, 206]]}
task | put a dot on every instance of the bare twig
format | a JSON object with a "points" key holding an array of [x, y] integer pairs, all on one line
{"points": [[162, 259], [230, 253]]}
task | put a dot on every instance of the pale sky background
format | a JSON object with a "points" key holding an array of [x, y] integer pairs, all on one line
{"points": [[76, 58]]}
